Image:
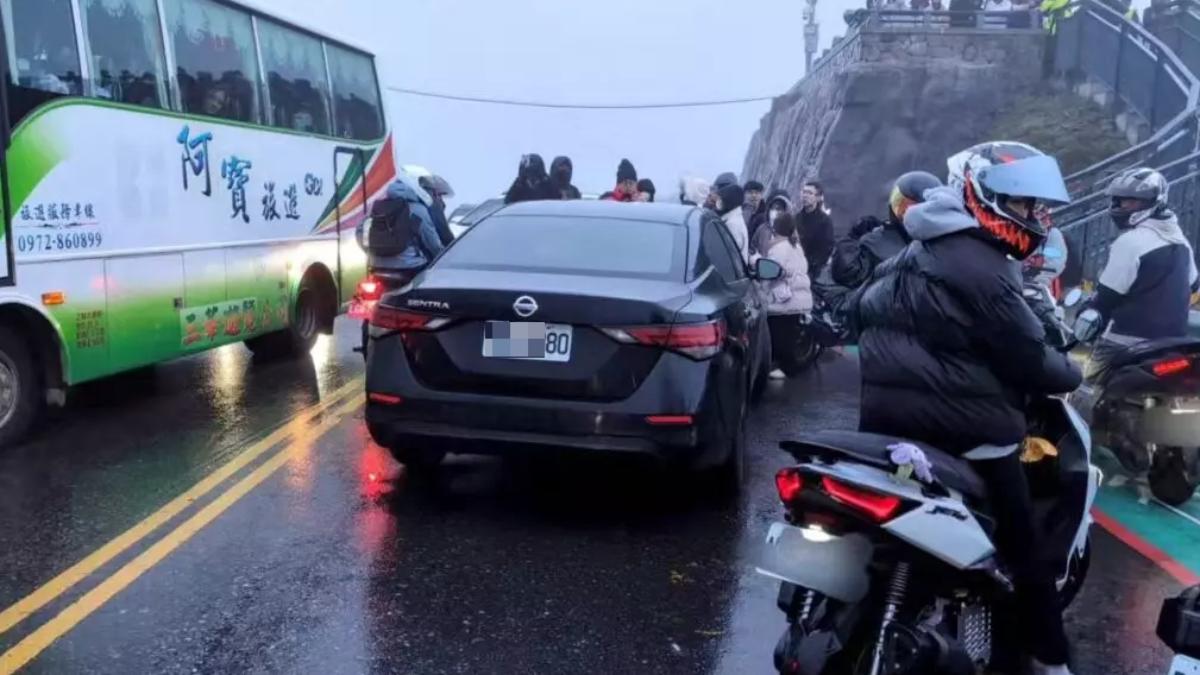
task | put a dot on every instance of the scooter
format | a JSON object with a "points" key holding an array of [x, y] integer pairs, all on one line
{"points": [[1145, 408], [886, 561], [1179, 629]]}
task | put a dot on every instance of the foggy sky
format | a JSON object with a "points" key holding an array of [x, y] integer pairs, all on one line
{"points": [[579, 51]]}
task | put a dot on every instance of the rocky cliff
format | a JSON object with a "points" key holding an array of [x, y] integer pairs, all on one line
{"points": [[888, 99]]}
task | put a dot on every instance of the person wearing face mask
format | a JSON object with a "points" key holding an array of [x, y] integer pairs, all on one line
{"points": [[561, 171], [1146, 286], [760, 227], [872, 241]]}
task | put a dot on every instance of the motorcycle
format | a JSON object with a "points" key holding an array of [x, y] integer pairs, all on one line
{"points": [[889, 571], [1145, 408], [820, 331], [368, 293]]}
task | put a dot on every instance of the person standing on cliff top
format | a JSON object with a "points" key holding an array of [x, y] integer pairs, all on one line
{"points": [[816, 228]]}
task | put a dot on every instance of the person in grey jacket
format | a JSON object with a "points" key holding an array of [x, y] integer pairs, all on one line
{"points": [[426, 244]]}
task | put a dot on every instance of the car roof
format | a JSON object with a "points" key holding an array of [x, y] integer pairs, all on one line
{"points": [[670, 214]]}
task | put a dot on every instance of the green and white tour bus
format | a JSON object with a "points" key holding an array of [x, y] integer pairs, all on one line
{"points": [[176, 175]]}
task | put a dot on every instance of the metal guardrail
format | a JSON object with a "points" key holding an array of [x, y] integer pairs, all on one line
{"points": [[1096, 42], [1151, 80]]}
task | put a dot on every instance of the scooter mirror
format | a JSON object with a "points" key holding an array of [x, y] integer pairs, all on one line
{"points": [[1073, 297], [1087, 325]]}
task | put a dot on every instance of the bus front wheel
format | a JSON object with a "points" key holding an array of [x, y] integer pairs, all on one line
{"points": [[21, 395]]}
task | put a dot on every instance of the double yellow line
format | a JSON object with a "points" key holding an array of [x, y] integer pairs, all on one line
{"points": [[330, 411]]}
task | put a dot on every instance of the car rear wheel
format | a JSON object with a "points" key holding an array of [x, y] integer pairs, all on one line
{"points": [[731, 474]]}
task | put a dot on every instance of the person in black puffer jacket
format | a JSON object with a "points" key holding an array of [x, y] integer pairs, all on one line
{"points": [[872, 241], [950, 351]]}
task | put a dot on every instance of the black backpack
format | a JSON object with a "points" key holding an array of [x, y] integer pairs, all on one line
{"points": [[393, 227]]}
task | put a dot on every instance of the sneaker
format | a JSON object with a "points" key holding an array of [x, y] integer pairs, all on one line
{"points": [[777, 374]]}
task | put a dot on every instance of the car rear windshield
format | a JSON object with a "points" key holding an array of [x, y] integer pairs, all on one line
{"points": [[556, 245]]}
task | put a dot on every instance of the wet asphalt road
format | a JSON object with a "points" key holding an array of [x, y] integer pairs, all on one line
{"points": [[338, 563]]}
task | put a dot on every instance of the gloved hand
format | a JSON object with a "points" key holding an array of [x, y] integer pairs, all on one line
{"points": [[864, 225]]}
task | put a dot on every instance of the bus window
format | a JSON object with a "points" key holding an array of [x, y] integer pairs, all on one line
{"points": [[216, 65], [295, 67], [125, 44], [42, 53], [355, 95]]}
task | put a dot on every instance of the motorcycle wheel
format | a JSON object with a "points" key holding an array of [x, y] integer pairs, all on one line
{"points": [[1173, 475], [803, 354]]}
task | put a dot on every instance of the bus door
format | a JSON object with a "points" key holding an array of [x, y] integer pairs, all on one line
{"points": [[349, 170], [7, 267]]}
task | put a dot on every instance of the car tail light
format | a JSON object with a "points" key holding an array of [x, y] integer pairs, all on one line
{"points": [[393, 319], [386, 399], [879, 507], [1172, 366], [789, 483], [370, 289], [670, 420], [695, 340]]}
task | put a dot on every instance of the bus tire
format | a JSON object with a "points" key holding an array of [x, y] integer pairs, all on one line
{"points": [[22, 398], [300, 336]]}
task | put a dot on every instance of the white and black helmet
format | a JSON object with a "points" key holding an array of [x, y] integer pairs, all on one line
{"points": [[1147, 186]]}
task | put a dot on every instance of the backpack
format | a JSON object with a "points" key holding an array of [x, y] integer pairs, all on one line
{"points": [[393, 227]]}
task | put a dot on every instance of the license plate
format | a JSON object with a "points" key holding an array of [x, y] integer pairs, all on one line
{"points": [[527, 340], [829, 564], [1185, 665]]}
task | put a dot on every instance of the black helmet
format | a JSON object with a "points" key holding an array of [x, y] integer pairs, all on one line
{"points": [[908, 190]]}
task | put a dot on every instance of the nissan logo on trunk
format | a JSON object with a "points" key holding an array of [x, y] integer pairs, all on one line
{"points": [[525, 306]]}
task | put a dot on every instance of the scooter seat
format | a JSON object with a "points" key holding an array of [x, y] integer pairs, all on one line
{"points": [[872, 449], [1142, 351]]}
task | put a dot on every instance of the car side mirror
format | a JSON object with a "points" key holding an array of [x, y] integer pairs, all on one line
{"points": [[1087, 325], [766, 269], [1072, 298]]}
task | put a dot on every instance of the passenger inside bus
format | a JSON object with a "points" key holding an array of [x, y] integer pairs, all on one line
{"points": [[210, 39], [127, 55], [47, 59]]}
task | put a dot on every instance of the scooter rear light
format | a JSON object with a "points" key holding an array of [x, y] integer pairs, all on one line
{"points": [[370, 289], [790, 483], [1171, 366], [879, 507]]}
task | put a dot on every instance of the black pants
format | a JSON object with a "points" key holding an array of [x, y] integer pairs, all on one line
{"points": [[1038, 623], [785, 331]]}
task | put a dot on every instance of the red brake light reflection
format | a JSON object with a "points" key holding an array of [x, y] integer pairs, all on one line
{"points": [[790, 484], [1172, 366], [878, 507], [370, 289]]}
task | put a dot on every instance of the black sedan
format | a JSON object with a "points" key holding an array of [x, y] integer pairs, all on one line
{"points": [[632, 328]]}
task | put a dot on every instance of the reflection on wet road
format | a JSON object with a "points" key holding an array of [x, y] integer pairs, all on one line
{"points": [[312, 551]]}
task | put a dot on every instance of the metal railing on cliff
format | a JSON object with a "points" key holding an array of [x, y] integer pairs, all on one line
{"points": [[1097, 45], [1147, 70]]}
